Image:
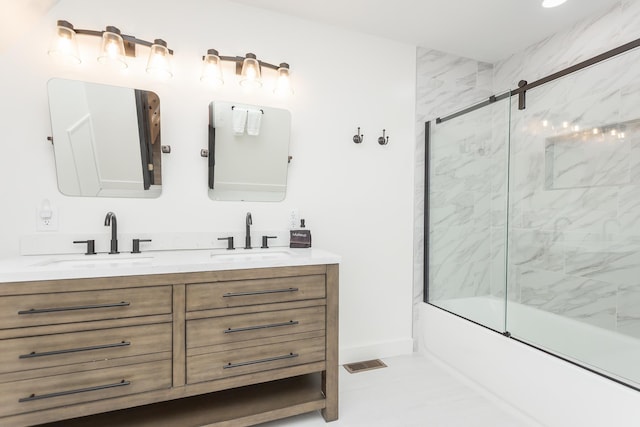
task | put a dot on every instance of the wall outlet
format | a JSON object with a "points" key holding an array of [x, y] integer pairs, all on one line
{"points": [[294, 219], [46, 218]]}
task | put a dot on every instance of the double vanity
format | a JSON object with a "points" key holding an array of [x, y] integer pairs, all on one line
{"points": [[168, 338]]}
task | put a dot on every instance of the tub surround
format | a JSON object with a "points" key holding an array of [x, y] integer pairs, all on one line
{"points": [[203, 337], [550, 391]]}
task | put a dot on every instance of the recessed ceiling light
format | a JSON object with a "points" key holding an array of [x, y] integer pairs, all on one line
{"points": [[552, 3]]}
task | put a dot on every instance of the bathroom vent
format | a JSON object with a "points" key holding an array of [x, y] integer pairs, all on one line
{"points": [[368, 365]]}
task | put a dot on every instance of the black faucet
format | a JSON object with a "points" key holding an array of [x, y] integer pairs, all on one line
{"points": [[229, 242], [265, 241], [136, 245], [247, 239], [110, 220]]}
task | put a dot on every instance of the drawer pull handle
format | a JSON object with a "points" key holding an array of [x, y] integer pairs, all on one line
{"points": [[76, 391], [254, 362], [74, 350], [252, 328], [269, 291], [79, 307]]}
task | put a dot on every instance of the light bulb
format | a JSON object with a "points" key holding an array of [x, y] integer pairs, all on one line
{"points": [[211, 69], [250, 75], [64, 44], [159, 63], [112, 50], [283, 82]]}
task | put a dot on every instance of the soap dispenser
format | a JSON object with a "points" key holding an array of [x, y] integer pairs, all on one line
{"points": [[300, 238]]}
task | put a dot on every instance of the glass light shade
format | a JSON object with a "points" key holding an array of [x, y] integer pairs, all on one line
{"points": [[112, 49], [159, 63], [250, 74], [211, 69], [283, 81], [64, 44], [552, 3]]}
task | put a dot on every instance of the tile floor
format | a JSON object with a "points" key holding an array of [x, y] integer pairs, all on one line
{"points": [[413, 391]]}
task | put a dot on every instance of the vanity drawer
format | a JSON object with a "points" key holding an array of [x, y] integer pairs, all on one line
{"points": [[249, 327], [203, 296], [63, 390], [224, 364], [67, 307], [22, 354]]}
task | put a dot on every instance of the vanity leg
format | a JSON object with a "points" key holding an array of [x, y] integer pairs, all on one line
{"points": [[330, 375]]}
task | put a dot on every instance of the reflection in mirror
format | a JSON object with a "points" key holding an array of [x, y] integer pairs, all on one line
{"points": [[106, 139], [248, 152]]}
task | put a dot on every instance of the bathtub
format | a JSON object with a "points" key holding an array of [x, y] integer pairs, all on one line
{"points": [[547, 389], [602, 350]]}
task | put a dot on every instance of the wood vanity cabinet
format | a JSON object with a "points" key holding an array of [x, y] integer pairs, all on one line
{"points": [[220, 348]]}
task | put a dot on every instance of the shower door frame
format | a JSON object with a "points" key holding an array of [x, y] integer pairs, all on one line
{"points": [[521, 91]]}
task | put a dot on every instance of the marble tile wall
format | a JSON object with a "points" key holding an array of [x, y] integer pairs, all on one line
{"points": [[465, 182], [574, 246], [445, 84], [573, 178]]}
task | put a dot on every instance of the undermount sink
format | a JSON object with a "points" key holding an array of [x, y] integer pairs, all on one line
{"points": [[250, 255], [100, 261]]}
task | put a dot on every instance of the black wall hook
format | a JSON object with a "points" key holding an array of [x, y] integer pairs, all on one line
{"points": [[357, 138], [382, 140]]}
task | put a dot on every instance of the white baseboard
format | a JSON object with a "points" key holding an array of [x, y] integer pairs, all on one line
{"points": [[376, 350]]}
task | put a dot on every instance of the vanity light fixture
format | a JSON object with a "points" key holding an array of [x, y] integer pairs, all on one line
{"points": [[115, 47], [283, 84], [211, 70], [552, 3], [248, 67], [250, 76], [112, 48], [65, 44], [159, 62]]}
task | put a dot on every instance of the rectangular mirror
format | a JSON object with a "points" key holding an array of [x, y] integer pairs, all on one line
{"points": [[248, 152], [106, 139]]}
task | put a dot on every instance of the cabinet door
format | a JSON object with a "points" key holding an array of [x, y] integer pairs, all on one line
{"points": [[249, 327], [224, 364], [20, 311], [69, 349], [203, 296], [62, 390]]}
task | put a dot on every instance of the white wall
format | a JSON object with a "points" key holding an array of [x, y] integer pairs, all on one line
{"points": [[357, 199]]}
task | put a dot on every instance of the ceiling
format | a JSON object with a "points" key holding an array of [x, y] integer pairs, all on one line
{"points": [[485, 30]]}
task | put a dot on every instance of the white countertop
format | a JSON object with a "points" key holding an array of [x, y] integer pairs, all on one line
{"points": [[49, 267]]}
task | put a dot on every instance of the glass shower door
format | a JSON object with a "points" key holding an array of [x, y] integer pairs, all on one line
{"points": [[467, 211], [574, 218]]}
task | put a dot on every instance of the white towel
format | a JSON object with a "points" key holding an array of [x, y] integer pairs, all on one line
{"points": [[239, 120], [254, 117]]}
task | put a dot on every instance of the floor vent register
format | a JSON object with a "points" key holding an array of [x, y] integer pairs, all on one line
{"points": [[367, 365]]}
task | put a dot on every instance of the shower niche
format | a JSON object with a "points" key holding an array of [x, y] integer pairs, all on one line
{"points": [[597, 156]]}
